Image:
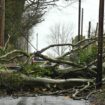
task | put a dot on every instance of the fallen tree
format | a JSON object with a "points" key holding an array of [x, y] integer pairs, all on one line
{"points": [[77, 77], [23, 82]]}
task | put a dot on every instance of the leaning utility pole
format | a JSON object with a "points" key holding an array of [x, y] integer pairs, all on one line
{"points": [[79, 20], [2, 21], [100, 45]]}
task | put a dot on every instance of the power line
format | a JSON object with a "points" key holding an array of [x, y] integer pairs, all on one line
{"points": [[30, 43]]}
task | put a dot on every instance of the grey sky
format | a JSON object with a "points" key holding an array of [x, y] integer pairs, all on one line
{"points": [[67, 15]]}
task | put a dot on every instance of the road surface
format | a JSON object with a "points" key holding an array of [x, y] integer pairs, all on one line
{"points": [[41, 100]]}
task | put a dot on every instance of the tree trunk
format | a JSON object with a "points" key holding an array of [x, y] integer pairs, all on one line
{"points": [[2, 20], [22, 81]]}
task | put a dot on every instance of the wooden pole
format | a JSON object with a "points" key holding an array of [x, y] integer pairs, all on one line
{"points": [[27, 42], [100, 45], [89, 29], [37, 41], [2, 21], [79, 20], [82, 23], [96, 31]]}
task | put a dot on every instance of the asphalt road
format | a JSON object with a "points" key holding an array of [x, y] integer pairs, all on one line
{"points": [[41, 100]]}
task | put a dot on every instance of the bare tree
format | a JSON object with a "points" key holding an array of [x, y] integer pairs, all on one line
{"points": [[60, 34]]}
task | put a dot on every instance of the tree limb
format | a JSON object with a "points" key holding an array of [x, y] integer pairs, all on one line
{"points": [[58, 61], [12, 52], [80, 90]]}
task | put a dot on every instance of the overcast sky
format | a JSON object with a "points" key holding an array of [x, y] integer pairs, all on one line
{"points": [[67, 14]]}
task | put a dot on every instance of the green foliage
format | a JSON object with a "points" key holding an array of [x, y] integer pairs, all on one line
{"points": [[10, 80], [36, 70], [88, 54], [2, 68], [75, 39], [2, 51]]}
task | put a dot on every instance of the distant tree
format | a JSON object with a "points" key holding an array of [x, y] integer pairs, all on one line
{"points": [[60, 34]]}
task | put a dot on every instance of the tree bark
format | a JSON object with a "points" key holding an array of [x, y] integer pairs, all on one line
{"points": [[21, 80], [2, 22]]}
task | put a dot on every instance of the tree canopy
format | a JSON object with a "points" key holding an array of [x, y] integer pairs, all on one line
{"points": [[21, 16]]}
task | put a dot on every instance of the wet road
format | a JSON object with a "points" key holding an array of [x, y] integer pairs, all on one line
{"points": [[41, 100]]}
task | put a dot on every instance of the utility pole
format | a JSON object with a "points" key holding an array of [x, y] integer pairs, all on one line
{"points": [[2, 21], [100, 45], [79, 20], [37, 41], [96, 31], [27, 41], [89, 29], [82, 23]]}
